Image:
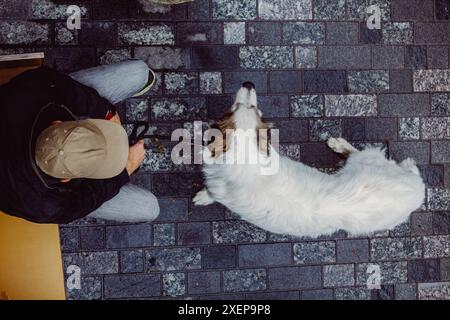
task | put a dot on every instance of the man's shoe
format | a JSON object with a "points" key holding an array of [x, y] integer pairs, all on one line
{"points": [[151, 81]]}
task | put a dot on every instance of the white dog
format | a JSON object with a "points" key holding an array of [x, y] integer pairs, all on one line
{"points": [[371, 193]]}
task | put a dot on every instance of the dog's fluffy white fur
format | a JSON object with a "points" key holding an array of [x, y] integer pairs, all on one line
{"points": [[371, 193]]}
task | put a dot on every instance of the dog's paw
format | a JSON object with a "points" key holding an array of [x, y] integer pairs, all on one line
{"points": [[202, 198], [340, 145]]}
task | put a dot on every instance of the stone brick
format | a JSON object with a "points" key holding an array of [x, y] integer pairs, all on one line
{"points": [[436, 128], [395, 248], [132, 286], [434, 291], [194, 233], [438, 57], [232, 81], [163, 57], [189, 33], [368, 81], [442, 9], [324, 81], [181, 109], [264, 33], [419, 151], [357, 9], [215, 58], [432, 175], [344, 57], [321, 130], [352, 251], [24, 33], [145, 34], [397, 33], [181, 83], [423, 270], [210, 83], [244, 280], [303, 33], [354, 105], [380, 129], [441, 222], [338, 275], [305, 57], [99, 34], [131, 261], [444, 269], [409, 128], [320, 294], [342, 33], [438, 198], [138, 235], [400, 80], [174, 284], [172, 209], [15, 10], [64, 36], [91, 289], [314, 252], [369, 36], [234, 33], [391, 272], [105, 262], [218, 257], [357, 293], [329, 9], [402, 10], [388, 57], [285, 81], [67, 59], [276, 295], [237, 232], [431, 80], [416, 57], [440, 151], [353, 129], [163, 259], [92, 238], [294, 278], [203, 282], [318, 155], [46, 9], [293, 130], [261, 57], [179, 184], [70, 239], [405, 291], [163, 235], [432, 33], [421, 223], [207, 213], [258, 255], [233, 10], [285, 9], [274, 106], [307, 106], [404, 105]]}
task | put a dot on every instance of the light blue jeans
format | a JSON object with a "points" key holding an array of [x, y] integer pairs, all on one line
{"points": [[116, 83]]}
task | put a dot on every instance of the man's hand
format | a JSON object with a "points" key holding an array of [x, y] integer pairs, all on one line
{"points": [[136, 156], [116, 119]]}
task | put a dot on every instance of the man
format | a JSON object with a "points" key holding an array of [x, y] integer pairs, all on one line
{"points": [[64, 152]]}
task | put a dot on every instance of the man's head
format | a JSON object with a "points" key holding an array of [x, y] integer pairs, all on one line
{"points": [[92, 149]]}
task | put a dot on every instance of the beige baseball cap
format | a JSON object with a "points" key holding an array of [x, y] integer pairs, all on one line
{"points": [[92, 149]]}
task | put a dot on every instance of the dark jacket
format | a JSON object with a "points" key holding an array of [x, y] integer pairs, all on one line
{"points": [[29, 103]]}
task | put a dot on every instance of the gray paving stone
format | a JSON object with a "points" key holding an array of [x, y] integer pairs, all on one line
{"points": [[390, 272], [285, 81], [244, 280], [409, 128], [207, 213], [305, 57], [46, 9], [396, 248], [356, 293], [233, 10], [137, 110], [210, 83], [320, 294], [357, 9], [91, 289], [353, 128], [380, 129], [131, 261], [92, 238], [198, 10], [440, 104], [233, 81], [194, 233], [199, 33], [285, 9], [203, 282], [219, 58], [15, 10], [398, 33], [163, 259], [191, 108], [181, 83], [434, 291], [388, 57], [174, 284], [303, 33], [438, 198], [344, 57], [354, 105], [132, 286], [294, 278], [276, 295], [261, 57], [441, 222], [370, 81], [318, 155], [419, 151], [436, 128], [338, 275], [64, 36], [163, 235], [416, 57], [405, 10], [218, 257], [329, 9], [274, 106], [24, 33], [237, 232], [321, 130], [258, 255], [324, 81], [291, 151], [440, 151], [352, 250], [444, 269], [264, 33], [163, 57], [293, 130], [432, 33], [145, 34], [234, 33], [431, 80], [442, 9], [342, 33], [405, 291], [69, 238], [423, 270], [307, 106], [314, 252], [100, 34], [104, 262], [138, 235], [433, 175], [404, 105], [438, 57], [369, 36], [110, 56], [421, 223]]}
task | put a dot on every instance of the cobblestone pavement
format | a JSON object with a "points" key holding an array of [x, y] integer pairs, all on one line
{"points": [[319, 72]]}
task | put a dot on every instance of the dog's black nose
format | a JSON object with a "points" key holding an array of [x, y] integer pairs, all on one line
{"points": [[249, 85]]}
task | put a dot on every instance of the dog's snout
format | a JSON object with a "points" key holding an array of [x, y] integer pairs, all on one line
{"points": [[249, 85]]}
